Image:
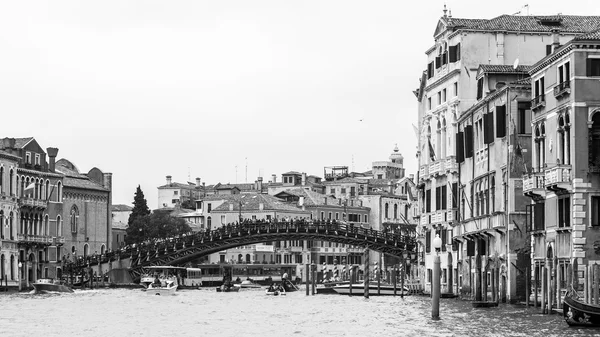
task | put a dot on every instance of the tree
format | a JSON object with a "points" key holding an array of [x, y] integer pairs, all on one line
{"points": [[158, 225], [140, 207], [188, 204]]}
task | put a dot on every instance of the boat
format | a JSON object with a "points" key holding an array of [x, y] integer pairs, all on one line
{"points": [[227, 288], [248, 284], [166, 280], [44, 285], [577, 313], [359, 288], [275, 290], [288, 286], [484, 304]]}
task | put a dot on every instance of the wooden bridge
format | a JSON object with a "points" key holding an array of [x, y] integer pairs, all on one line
{"points": [[185, 248]]}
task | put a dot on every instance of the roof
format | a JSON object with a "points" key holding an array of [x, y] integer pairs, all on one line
{"points": [[524, 81], [591, 36], [120, 208], [82, 183], [119, 225], [9, 156], [227, 187], [548, 23], [180, 185], [251, 202], [291, 172], [345, 181], [382, 182], [503, 68], [21, 142]]}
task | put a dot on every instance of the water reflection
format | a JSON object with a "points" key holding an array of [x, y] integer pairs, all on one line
{"points": [[120, 312]]}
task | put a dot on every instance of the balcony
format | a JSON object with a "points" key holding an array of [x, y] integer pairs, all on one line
{"points": [[437, 168], [558, 177], [451, 164], [534, 184], [538, 102], [43, 239], [424, 172], [33, 203], [562, 89]]}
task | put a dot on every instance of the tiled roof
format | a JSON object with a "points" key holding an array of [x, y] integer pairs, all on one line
{"points": [[251, 202], [292, 172], [311, 198], [82, 183], [382, 182], [20, 142], [8, 155], [591, 36], [564, 23], [120, 208], [345, 180], [467, 23], [180, 185], [227, 187], [503, 68], [524, 81]]}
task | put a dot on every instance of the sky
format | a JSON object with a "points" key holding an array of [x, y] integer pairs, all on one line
{"points": [[223, 90]]}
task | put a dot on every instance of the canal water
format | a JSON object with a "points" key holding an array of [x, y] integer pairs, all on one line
{"points": [[127, 312]]}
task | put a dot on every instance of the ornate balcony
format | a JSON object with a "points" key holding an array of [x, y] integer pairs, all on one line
{"points": [[33, 203], [538, 102], [562, 89], [437, 167], [424, 172], [558, 177], [534, 184], [43, 239]]}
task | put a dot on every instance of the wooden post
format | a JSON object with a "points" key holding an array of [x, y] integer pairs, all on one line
{"points": [[550, 300], [403, 276], [557, 272], [314, 279], [378, 275], [366, 274], [536, 276], [351, 279], [493, 283], [527, 285], [307, 279], [394, 279]]}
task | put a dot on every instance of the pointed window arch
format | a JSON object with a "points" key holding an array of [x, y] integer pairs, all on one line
{"points": [[74, 218]]}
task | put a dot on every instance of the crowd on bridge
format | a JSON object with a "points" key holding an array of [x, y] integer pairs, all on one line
{"points": [[244, 225]]}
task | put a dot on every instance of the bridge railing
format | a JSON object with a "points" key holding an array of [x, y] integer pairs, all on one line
{"points": [[168, 245]]}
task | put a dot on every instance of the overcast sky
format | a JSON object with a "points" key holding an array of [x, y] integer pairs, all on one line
{"points": [[145, 89]]}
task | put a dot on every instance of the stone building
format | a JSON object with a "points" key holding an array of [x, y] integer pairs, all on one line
{"points": [[448, 87], [564, 182], [9, 214]]}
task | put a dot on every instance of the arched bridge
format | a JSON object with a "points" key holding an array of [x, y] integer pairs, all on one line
{"points": [[177, 251]]}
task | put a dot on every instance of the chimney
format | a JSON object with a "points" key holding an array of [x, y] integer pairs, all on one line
{"points": [[204, 188], [555, 40], [390, 187], [168, 180], [411, 177], [197, 182], [303, 178], [52, 152], [259, 185], [274, 178]]}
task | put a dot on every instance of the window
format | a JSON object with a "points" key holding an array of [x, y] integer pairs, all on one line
{"points": [[366, 218], [222, 219], [343, 190], [333, 191], [337, 216], [480, 88], [329, 216], [387, 206], [564, 73], [524, 117], [439, 98], [74, 218], [208, 207], [444, 95], [595, 211], [175, 192], [322, 215], [593, 67], [564, 210], [37, 159], [174, 201], [455, 89], [395, 211], [352, 191], [28, 158], [430, 71], [428, 241], [380, 176], [454, 53], [427, 201], [428, 103]]}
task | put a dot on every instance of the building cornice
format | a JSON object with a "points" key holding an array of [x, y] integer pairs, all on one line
{"points": [[443, 79], [39, 173], [550, 58]]}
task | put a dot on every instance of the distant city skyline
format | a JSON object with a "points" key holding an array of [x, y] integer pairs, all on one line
{"points": [[193, 88]]}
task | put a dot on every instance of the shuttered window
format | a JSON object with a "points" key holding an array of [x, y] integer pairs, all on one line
{"points": [[501, 121], [488, 128], [468, 141], [460, 149]]}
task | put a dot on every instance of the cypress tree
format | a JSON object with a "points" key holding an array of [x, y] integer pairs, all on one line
{"points": [[138, 219], [140, 206]]}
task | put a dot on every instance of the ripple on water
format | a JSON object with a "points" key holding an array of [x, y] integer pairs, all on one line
{"points": [[123, 312]]}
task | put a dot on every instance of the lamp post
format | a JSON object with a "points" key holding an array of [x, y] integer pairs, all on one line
{"points": [[435, 282], [20, 274]]}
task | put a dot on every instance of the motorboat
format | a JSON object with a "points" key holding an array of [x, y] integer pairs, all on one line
{"points": [[44, 285], [248, 284], [153, 272], [227, 288], [359, 288], [165, 280], [275, 290], [577, 313]]}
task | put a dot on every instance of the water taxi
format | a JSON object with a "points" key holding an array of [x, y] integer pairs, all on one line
{"points": [[166, 280], [44, 285]]}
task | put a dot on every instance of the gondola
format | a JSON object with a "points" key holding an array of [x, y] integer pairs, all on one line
{"points": [[484, 304], [577, 313]]}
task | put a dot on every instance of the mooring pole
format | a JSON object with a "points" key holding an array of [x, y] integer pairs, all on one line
{"points": [[394, 279], [366, 274], [307, 279], [351, 279], [314, 278]]}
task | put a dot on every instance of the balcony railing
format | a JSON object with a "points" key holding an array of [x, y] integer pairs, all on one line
{"points": [[424, 172], [451, 164], [437, 167], [47, 239], [31, 202], [533, 181], [563, 88], [538, 102], [558, 174]]}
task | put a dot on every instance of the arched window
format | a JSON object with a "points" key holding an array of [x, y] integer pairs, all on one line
{"points": [[240, 258], [86, 250], [46, 230], [58, 226], [2, 179], [47, 196], [386, 210], [74, 219], [10, 183], [208, 223], [102, 249], [12, 268], [11, 230], [493, 194], [395, 211], [59, 192], [247, 258]]}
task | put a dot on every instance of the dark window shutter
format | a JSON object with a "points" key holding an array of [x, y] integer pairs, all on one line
{"points": [[480, 88], [438, 62], [428, 201], [458, 51], [567, 203], [444, 237], [430, 70], [437, 198], [561, 208], [548, 49], [444, 198], [444, 58], [468, 141], [428, 241], [454, 195], [470, 248], [452, 56], [488, 128], [501, 121], [460, 148]]}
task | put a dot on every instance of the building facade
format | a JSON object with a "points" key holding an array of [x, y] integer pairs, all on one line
{"points": [[9, 210]]}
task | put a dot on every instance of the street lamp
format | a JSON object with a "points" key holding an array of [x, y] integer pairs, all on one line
{"points": [[435, 283]]}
